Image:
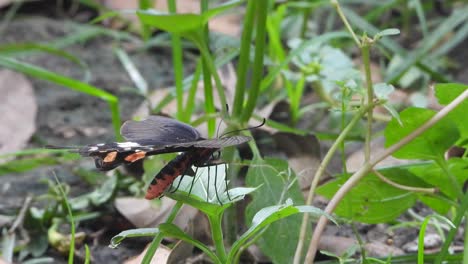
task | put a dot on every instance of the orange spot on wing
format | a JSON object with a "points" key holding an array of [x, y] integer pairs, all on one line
{"points": [[135, 156], [110, 157]]}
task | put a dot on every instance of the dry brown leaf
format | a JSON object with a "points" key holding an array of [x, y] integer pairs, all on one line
{"points": [[4, 3], [143, 213], [355, 160], [18, 107], [160, 257], [303, 154], [381, 250], [180, 252], [336, 244]]}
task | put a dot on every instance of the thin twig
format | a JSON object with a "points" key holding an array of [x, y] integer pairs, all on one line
{"points": [[21, 215], [404, 187]]}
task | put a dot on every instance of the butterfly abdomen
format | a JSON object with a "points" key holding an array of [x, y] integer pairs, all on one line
{"points": [[176, 167]]}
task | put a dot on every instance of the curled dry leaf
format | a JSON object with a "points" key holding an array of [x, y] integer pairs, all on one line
{"points": [[303, 154], [143, 213], [18, 107]]}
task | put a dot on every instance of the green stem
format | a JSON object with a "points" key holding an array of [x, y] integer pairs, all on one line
{"points": [[208, 87], [212, 70], [345, 21], [217, 235], [177, 62], [244, 56], [465, 245], [257, 71], [159, 237], [365, 49]]}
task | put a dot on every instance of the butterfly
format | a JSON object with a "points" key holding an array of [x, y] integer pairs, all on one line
{"points": [[157, 135]]}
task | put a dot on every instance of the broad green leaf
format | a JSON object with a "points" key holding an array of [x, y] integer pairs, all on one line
{"points": [[210, 185], [372, 200], [276, 183], [174, 231], [446, 93], [439, 205], [139, 232], [173, 23], [266, 218], [432, 144], [437, 177], [207, 190]]}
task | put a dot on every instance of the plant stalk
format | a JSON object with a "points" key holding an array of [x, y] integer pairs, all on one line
{"points": [[354, 179]]}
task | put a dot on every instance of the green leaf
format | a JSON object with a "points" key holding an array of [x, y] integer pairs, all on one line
{"points": [[173, 23], [436, 176], [266, 217], [383, 90], [210, 185], [432, 144], [372, 200], [278, 183], [387, 32], [446, 93], [140, 232], [439, 205]]}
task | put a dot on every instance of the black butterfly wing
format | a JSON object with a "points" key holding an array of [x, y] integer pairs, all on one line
{"points": [[215, 143], [154, 135], [158, 131]]}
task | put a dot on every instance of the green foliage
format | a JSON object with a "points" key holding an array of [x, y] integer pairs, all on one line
{"points": [[372, 200], [214, 206], [432, 144], [277, 183], [319, 62]]}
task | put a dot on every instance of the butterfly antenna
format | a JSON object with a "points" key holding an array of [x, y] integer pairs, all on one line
{"points": [[69, 148], [222, 118], [243, 129]]}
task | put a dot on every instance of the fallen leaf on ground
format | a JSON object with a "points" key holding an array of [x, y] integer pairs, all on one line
{"points": [[339, 245], [356, 160], [303, 153], [143, 213], [18, 107], [160, 257]]}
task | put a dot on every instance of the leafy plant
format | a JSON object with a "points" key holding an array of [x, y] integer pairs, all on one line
{"points": [[196, 193]]}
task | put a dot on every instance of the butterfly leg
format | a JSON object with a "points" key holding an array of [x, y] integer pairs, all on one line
{"points": [[226, 181], [180, 181], [193, 181], [208, 185]]}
